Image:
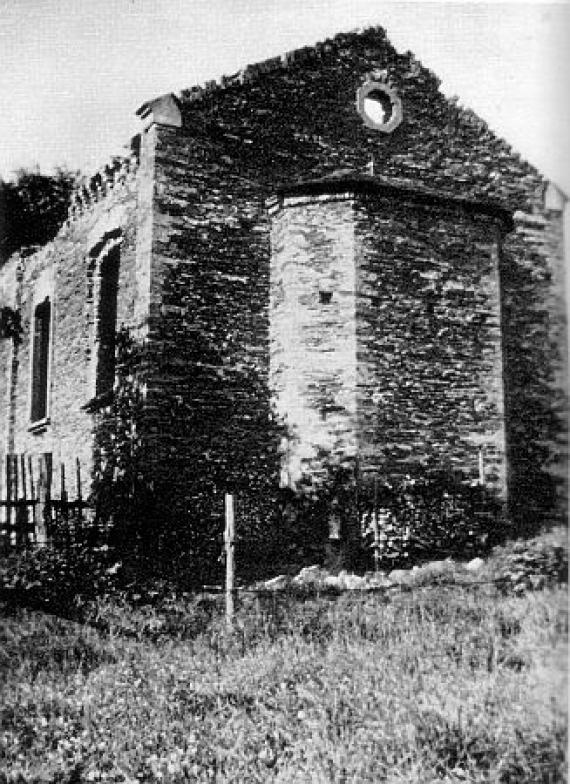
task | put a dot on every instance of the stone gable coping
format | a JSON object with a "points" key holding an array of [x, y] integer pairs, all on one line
{"points": [[164, 110], [554, 197]]}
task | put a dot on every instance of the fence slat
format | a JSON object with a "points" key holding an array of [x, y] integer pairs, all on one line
{"points": [[44, 496], [27, 507], [78, 479], [9, 498], [33, 498], [3, 509], [24, 477], [229, 536], [62, 487], [15, 484]]}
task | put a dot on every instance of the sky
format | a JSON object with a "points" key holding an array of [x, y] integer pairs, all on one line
{"points": [[73, 72]]}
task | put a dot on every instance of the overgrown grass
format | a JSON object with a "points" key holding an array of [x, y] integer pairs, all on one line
{"points": [[443, 684]]}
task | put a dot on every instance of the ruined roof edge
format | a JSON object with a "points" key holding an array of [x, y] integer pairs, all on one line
{"points": [[470, 117], [253, 72], [91, 189]]}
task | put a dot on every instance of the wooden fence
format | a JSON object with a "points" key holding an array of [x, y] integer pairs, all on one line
{"points": [[34, 496]]}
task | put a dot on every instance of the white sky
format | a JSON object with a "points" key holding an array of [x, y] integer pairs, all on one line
{"points": [[72, 72]]}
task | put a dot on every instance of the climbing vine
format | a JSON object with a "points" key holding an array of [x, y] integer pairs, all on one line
{"points": [[10, 323]]}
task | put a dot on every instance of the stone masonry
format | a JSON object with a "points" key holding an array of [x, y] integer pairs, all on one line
{"points": [[102, 220], [392, 289], [396, 356]]}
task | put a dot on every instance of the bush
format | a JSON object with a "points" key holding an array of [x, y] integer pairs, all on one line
{"points": [[532, 564], [420, 517], [438, 515], [58, 579], [291, 534]]}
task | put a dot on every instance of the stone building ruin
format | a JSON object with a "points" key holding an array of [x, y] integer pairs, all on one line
{"points": [[325, 233]]}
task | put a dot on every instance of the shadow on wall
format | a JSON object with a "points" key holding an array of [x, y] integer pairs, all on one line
{"points": [[160, 493], [163, 464], [535, 403]]}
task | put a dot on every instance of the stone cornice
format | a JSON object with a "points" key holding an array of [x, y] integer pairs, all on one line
{"points": [[354, 183]]}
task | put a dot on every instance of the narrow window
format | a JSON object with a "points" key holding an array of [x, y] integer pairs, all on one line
{"points": [[106, 323], [40, 360]]}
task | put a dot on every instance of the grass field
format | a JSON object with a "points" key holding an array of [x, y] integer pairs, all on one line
{"points": [[439, 684]]}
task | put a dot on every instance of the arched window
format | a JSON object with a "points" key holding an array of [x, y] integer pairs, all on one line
{"points": [[40, 360]]}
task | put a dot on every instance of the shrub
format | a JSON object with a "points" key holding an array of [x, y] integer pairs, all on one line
{"points": [[440, 514], [291, 534], [174, 529], [532, 564], [58, 579], [420, 517]]}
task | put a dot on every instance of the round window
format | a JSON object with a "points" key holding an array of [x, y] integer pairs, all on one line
{"points": [[379, 106]]}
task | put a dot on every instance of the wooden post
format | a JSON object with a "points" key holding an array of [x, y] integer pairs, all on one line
{"points": [[23, 524], [24, 477], [3, 509], [64, 529], [78, 480], [8, 485], [33, 498], [15, 486], [44, 497], [11, 496], [31, 475], [79, 519], [62, 487], [229, 533], [356, 475], [375, 526]]}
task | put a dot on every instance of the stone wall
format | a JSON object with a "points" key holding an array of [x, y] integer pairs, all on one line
{"points": [[207, 412], [102, 217], [195, 267], [313, 332], [10, 294], [429, 340], [386, 331], [294, 117], [536, 366]]}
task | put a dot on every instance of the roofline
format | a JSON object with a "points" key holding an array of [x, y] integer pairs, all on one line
{"points": [[330, 47], [365, 183]]}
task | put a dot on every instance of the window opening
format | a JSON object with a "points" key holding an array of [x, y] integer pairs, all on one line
{"points": [[40, 360], [106, 323], [379, 106], [325, 297]]}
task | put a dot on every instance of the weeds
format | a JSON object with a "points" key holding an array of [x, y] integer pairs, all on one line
{"points": [[420, 687], [445, 682]]}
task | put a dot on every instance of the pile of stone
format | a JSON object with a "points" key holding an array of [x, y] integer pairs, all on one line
{"points": [[317, 578]]}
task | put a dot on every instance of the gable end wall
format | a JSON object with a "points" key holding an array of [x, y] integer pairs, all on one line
{"points": [[239, 144]]}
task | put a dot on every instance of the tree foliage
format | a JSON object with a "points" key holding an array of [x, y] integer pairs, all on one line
{"points": [[33, 207]]}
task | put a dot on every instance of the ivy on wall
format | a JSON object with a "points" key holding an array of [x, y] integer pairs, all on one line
{"points": [[10, 322]]}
